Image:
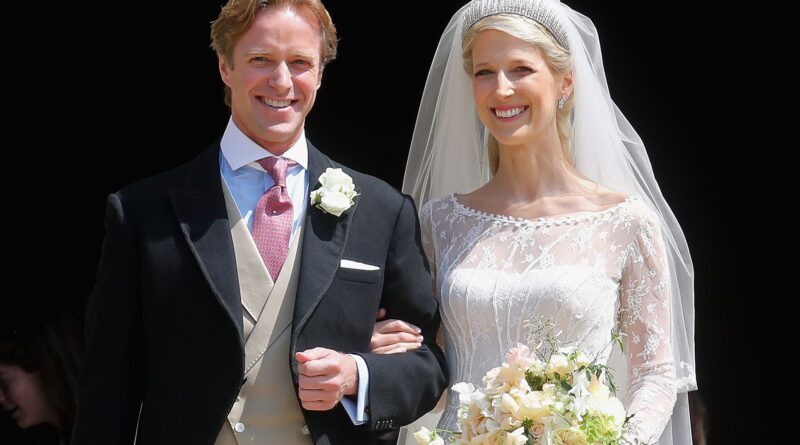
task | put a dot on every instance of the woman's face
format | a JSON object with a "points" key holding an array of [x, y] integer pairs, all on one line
{"points": [[516, 92], [22, 396]]}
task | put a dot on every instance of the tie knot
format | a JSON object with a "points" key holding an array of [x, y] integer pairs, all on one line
{"points": [[277, 167]]}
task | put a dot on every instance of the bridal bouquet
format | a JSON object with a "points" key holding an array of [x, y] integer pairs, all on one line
{"points": [[549, 396]]}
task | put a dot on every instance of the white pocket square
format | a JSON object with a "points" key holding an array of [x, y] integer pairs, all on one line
{"points": [[348, 264]]}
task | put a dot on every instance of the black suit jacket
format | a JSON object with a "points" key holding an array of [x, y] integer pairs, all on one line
{"points": [[164, 321]]}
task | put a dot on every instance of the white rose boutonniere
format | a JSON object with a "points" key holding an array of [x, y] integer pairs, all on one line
{"points": [[336, 192]]}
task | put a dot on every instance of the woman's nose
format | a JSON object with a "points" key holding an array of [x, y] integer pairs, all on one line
{"points": [[504, 87]]}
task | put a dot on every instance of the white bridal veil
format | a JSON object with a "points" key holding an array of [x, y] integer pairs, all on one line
{"points": [[448, 155]]}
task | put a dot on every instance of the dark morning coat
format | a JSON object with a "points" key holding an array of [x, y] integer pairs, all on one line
{"points": [[164, 355]]}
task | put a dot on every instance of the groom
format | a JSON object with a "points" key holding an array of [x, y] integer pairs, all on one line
{"points": [[228, 309]]}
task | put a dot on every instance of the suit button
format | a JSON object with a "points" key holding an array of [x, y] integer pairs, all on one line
{"points": [[239, 427], [238, 399], [305, 430]]}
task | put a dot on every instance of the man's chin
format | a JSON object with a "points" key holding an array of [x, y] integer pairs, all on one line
{"points": [[280, 137]]}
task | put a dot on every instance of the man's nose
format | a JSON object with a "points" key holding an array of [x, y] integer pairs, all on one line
{"points": [[281, 78]]}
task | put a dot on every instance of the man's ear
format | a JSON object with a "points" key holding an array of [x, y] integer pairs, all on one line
{"points": [[224, 69]]}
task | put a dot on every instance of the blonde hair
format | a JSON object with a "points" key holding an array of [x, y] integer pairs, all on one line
{"points": [[557, 58], [237, 16]]}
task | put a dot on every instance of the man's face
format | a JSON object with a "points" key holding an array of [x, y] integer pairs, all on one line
{"points": [[274, 75]]}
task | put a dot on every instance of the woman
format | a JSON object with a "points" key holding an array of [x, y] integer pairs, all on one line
{"points": [[560, 218], [38, 371]]}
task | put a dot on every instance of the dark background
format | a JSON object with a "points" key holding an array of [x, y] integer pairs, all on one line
{"points": [[133, 88]]}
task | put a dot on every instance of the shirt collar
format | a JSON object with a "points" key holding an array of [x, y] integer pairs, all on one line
{"points": [[239, 150]]}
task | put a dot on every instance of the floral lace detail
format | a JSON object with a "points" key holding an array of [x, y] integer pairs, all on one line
{"points": [[587, 272]]}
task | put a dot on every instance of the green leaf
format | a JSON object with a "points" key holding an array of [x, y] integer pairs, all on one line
{"points": [[535, 381]]}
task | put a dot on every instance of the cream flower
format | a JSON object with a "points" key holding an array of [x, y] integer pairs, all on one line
{"points": [[426, 437], [336, 192], [535, 405], [582, 359], [558, 364], [598, 390], [335, 180], [516, 437], [568, 436], [521, 356]]}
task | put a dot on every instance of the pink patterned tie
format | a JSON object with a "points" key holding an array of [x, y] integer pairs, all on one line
{"points": [[272, 220]]}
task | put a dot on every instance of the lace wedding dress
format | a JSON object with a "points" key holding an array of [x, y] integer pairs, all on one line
{"points": [[583, 271]]}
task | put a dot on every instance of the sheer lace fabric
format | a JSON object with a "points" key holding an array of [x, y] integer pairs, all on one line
{"points": [[584, 271]]}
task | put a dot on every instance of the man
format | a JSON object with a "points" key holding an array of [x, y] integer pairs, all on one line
{"points": [[228, 308]]}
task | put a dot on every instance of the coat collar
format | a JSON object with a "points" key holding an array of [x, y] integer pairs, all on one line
{"points": [[200, 209]]}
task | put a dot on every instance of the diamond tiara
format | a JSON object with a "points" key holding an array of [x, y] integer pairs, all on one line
{"points": [[541, 11]]}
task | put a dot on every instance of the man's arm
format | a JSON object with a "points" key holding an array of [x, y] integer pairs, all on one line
{"points": [[109, 389], [405, 386]]}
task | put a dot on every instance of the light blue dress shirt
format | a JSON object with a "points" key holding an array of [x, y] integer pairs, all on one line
{"points": [[247, 181]]}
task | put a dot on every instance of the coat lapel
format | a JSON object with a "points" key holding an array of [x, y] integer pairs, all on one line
{"points": [[200, 209], [324, 241]]}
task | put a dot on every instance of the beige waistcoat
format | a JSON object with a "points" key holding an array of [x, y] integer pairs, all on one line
{"points": [[267, 410]]}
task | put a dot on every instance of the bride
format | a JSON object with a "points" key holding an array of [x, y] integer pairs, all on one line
{"points": [[539, 202]]}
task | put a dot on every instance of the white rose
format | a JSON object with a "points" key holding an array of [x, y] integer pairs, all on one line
{"points": [[336, 192], [463, 388], [425, 437], [558, 364], [334, 203], [568, 436], [613, 407], [335, 180]]}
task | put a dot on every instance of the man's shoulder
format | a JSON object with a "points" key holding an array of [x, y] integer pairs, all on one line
{"points": [[161, 184], [372, 188]]}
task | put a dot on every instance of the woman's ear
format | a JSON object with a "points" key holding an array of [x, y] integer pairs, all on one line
{"points": [[567, 83]]}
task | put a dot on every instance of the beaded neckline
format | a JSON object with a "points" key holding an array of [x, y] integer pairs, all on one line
{"points": [[568, 218]]}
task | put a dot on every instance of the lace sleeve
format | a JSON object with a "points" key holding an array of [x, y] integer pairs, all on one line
{"points": [[426, 227], [645, 323]]}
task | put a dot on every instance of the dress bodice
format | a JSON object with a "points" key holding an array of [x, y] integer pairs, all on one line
{"points": [[587, 272]]}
